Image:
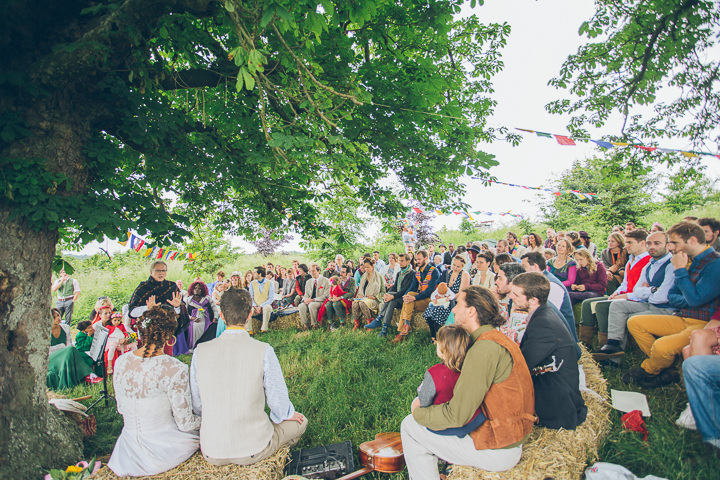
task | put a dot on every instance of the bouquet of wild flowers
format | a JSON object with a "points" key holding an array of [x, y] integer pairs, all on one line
{"points": [[132, 337], [80, 471]]}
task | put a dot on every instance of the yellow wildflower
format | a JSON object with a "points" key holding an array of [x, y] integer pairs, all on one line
{"points": [[73, 469]]}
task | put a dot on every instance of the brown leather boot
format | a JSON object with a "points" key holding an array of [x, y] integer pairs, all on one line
{"points": [[403, 334], [586, 335], [602, 339]]}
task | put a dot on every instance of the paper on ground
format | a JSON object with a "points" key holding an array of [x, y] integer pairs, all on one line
{"points": [[629, 401]]}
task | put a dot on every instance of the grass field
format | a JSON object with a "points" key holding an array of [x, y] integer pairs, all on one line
{"points": [[352, 385]]}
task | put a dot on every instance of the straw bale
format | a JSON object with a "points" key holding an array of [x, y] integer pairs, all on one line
{"points": [[196, 468], [286, 322], [416, 321], [559, 454]]}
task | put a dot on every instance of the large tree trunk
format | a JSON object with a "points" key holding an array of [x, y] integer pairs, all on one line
{"points": [[34, 436]]}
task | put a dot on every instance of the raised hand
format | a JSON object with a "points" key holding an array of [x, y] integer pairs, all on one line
{"points": [[176, 299], [150, 302]]}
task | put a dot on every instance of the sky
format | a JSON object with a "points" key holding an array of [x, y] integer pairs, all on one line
{"points": [[543, 34]]}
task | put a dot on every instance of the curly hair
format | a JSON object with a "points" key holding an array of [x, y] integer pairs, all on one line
{"points": [[156, 326], [203, 287]]}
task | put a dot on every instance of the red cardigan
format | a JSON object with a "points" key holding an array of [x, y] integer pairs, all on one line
{"points": [[633, 274]]}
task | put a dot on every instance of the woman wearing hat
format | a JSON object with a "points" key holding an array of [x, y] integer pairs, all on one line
{"points": [[585, 241]]}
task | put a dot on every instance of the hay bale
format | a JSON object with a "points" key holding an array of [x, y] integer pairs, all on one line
{"points": [[196, 468], [286, 322], [561, 454], [417, 322]]}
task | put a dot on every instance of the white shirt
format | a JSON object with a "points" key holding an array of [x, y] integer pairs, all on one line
{"points": [[276, 392]]}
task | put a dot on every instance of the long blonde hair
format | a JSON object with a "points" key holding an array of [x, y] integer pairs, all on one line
{"points": [[585, 253]]}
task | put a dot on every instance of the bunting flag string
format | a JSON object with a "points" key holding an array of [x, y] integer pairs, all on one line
{"points": [[466, 214], [157, 253], [576, 193], [570, 141]]}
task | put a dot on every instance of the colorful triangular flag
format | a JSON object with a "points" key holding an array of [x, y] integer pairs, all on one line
{"points": [[563, 140]]}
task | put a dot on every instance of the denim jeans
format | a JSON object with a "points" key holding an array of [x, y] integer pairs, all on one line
{"points": [[702, 381]]}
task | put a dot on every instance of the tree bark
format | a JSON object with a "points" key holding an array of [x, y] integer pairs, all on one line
{"points": [[34, 436]]}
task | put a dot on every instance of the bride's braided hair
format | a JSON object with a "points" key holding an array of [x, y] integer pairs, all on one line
{"points": [[155, 327]]}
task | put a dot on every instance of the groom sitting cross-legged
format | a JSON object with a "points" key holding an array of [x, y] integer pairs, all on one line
{"points": [[231, 379]]}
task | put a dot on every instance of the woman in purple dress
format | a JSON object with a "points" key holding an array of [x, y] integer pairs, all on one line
{"points": [[203, 311]]}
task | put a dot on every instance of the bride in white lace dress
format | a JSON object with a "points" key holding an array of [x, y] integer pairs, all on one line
{"points": [[153, 396]]}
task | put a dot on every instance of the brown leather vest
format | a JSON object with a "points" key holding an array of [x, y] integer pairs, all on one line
{"points": [[509, 405]]}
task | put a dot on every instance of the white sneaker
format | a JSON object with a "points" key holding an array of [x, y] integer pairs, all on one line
{"points": [[686, 419]]}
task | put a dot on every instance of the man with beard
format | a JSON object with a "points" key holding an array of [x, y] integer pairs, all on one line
{"points": [[393, 299], [649, 297], [695, 295], [418, 298], [549, 351]]}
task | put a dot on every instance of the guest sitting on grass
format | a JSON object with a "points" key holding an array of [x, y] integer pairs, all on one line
{"points": [[153, 395], [591, 278], [501, 288], [549, 351], [84, 339], [60, 336], [66, 365], [236, 280], [439, 381], [118, 342]]}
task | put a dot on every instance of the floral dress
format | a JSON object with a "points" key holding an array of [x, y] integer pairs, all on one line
{"points": [[439, 314]]}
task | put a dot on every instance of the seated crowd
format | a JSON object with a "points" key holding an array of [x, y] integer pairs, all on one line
{"points": [[506, 319]]}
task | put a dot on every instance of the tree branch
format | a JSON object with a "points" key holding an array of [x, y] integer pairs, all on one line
{"points": [[113, 39]]}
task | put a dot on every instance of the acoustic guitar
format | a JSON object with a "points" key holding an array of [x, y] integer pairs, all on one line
{"points": [[384, 455]]}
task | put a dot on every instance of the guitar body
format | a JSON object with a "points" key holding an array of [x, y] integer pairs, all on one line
{"points": [[384, 454]]}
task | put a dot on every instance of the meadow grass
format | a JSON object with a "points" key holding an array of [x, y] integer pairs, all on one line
{"points": [[350, 385], [353, 385]]}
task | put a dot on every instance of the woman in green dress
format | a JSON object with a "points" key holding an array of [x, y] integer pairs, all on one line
{"points": [[66, 366]]}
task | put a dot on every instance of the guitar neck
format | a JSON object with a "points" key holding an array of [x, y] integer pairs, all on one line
{"points": [[357, 473]]}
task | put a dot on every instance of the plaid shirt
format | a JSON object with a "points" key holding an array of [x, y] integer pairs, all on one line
{"points": [[702, 268]]}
